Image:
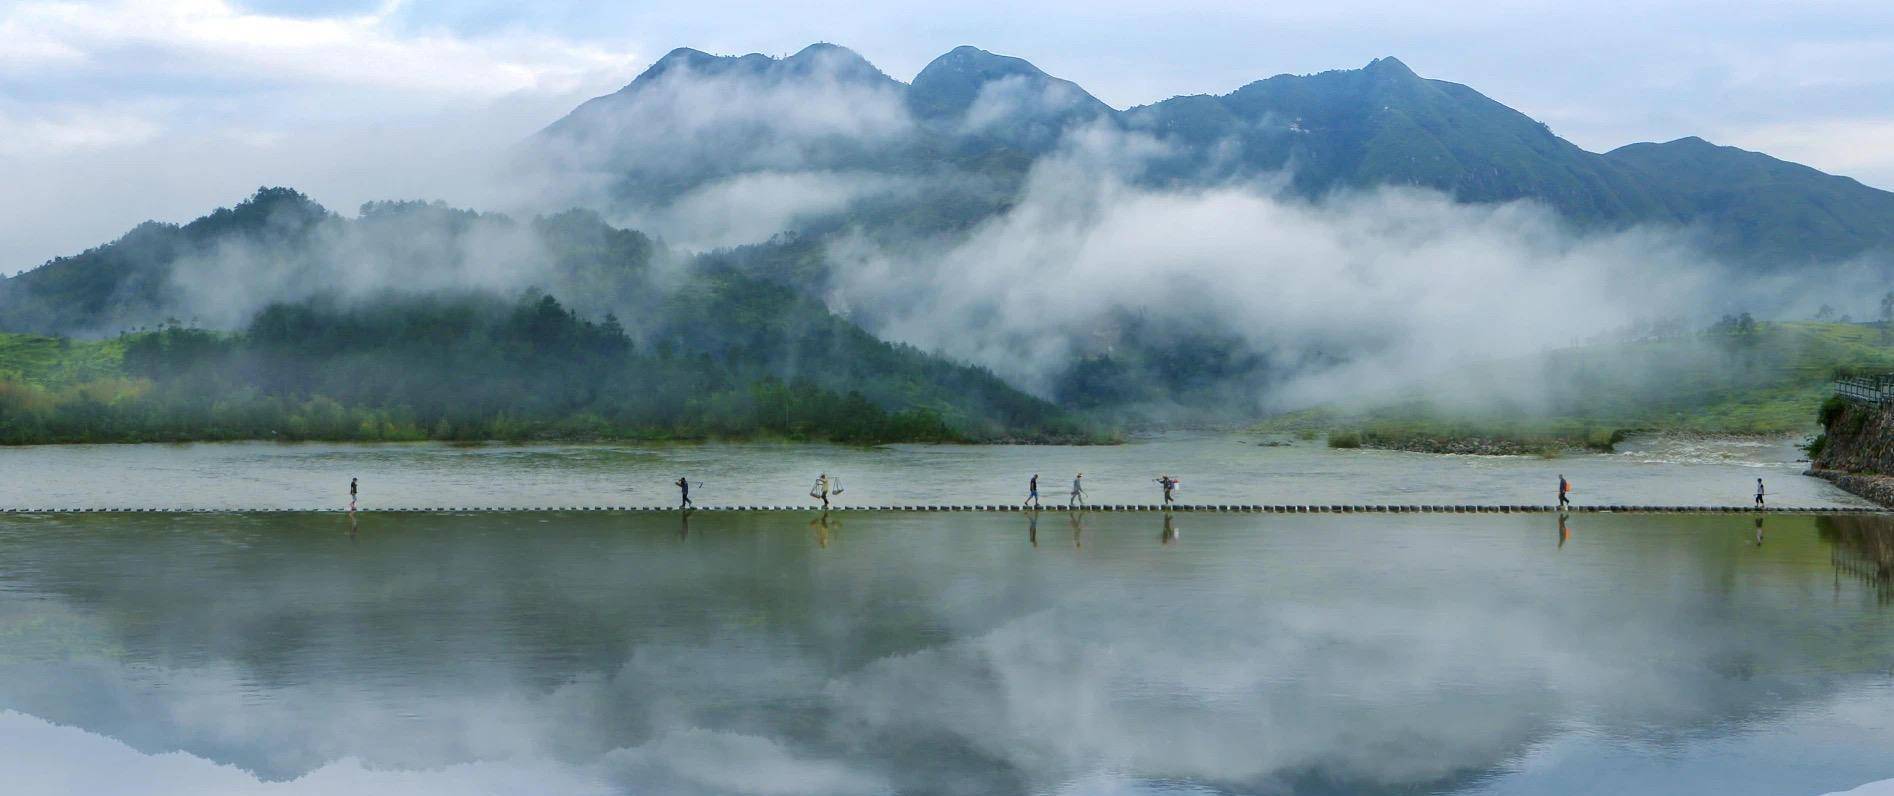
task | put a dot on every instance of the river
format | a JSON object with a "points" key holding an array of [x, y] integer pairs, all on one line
{"points": [[935, 653], [1213, 468]]}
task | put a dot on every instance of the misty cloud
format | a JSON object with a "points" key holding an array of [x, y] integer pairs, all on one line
{"points": [[1401, 283], [681, 125], [750, 208], [1012, 97]]}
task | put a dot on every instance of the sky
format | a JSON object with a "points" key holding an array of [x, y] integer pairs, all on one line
{"points": [[115, 112]]}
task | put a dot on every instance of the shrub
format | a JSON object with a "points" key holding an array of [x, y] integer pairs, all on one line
{"points": [[1344, 439], [1604, 440], [1832, 408]]}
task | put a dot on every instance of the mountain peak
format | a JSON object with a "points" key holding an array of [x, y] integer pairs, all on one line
{"points": [[682, 57], [969, 61], [950, 84], [1389, 67], [820, 58], [833, 59]]}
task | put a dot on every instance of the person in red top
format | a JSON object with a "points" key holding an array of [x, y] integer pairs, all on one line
{"points": [[1565, 490]]}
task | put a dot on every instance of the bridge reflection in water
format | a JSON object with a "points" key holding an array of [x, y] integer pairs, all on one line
{"points": [[1862, 547]]}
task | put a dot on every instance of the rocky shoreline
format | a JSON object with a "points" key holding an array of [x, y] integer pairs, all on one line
{"points": [[1466, 446], [1878, 488]]}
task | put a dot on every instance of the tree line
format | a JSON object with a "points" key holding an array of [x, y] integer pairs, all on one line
{"points": [[469, 367]]}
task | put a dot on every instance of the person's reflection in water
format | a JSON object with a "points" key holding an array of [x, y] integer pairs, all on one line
{"points": [[1564, 532], [353, 529], [684, 527], [821, 526], [1078, 528], [1032, 527], [1758, 531], [1170, 530]]}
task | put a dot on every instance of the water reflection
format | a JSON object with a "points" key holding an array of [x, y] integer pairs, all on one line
{"points": [[1032, 527], [1419, 654], [821, 525], [1863, 549], [1565, 531]]}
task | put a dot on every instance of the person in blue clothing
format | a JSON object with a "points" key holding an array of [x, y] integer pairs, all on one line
{"points": [[684, 490], [1032, 492]]}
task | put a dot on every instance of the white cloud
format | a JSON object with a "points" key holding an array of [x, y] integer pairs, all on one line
{"points": [[212, 37], [1401, 283], [148, 109], [749, 208], [28, 131]]}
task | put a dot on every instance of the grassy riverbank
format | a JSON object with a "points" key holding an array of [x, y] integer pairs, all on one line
{"points": [[1769, 379]]}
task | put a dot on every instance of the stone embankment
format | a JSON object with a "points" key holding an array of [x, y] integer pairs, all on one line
{"points": [[1857, 448]]}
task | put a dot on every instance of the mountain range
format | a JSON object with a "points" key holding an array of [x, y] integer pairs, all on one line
{"points": [[852, 152], [974, 112]]}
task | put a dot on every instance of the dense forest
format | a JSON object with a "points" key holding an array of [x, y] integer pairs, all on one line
{"points": [[457, 367]]}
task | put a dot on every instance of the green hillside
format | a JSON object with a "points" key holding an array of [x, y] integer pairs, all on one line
{"points": [[477, 367], [726, 353], [1766, 378]]}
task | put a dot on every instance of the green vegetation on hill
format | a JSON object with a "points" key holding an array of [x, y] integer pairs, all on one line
{"points": [[1741, 377], [470, 367], [339, 328]]}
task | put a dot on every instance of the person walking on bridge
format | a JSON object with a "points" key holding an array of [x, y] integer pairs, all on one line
{"points": [[1565, 492], [684, 490], [1170, 487], [821, 490], [1759, 493], [1032, 492], [352, 489], [1078, 492]]}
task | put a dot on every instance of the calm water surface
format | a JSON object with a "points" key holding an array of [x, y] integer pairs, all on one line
{"points": [[775, 653], [1214, 469]]}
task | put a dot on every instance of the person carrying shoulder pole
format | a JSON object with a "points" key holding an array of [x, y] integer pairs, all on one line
{"points": [[1170, 485], [1759, 493], [821, 490], [1078, 492], [684, 490], [1032, 492], [1565, 491]]}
